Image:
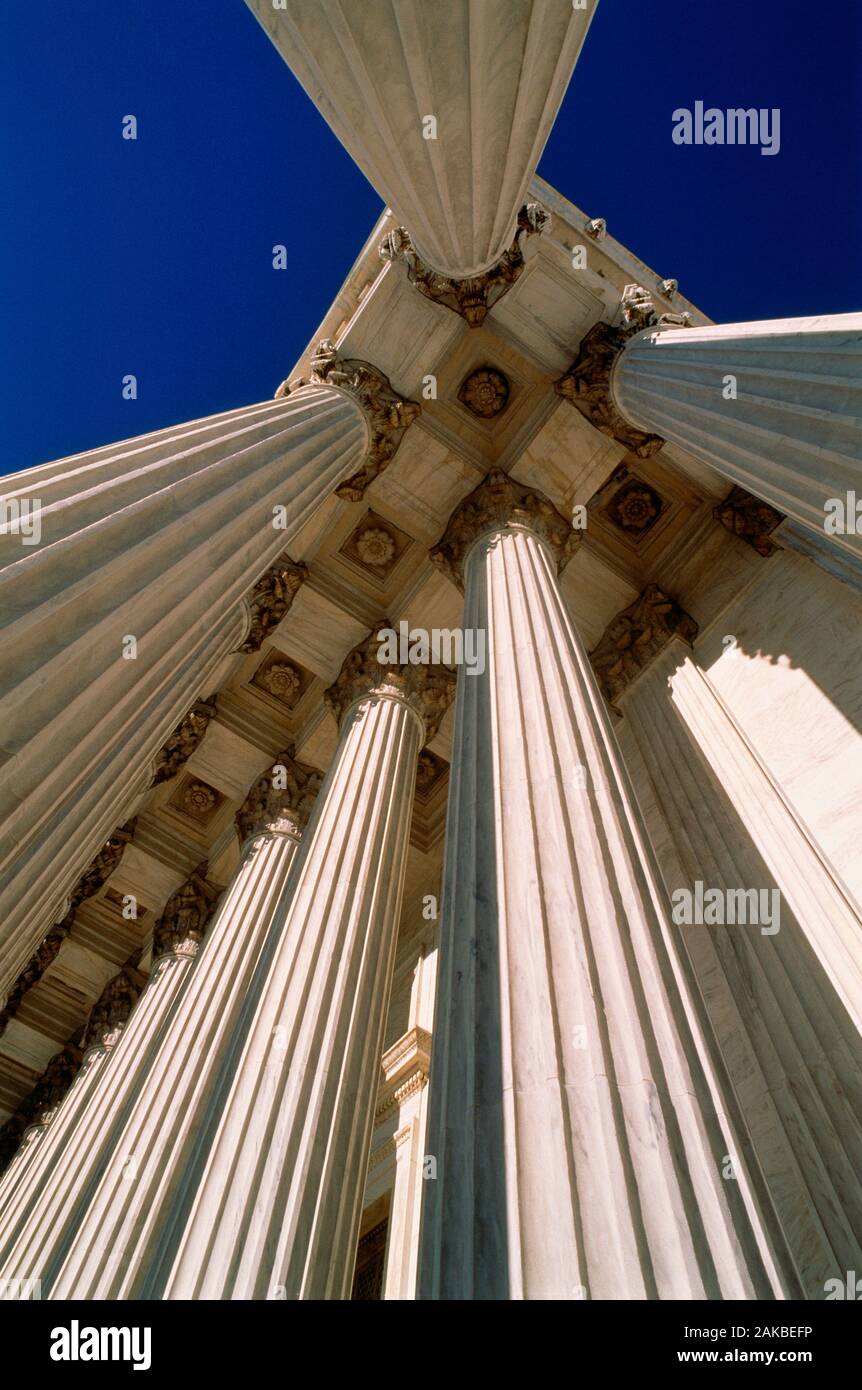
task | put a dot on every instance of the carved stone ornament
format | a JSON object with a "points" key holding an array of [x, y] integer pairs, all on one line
{"points": [[186, 915], [485, 392], [281, 799], [270, 599], [428, 689], [587, 386], [498, 503], [103, 865], [111, 1011], [473, 297], [98, 872], [43, 1100], [749, 519], [639, 309], [185, 738], [635, 637], [387, 414], [597, 228]]}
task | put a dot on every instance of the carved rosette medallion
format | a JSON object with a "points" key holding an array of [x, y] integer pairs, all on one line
{"points": [[387, 414], [270, 599], [185, 739], [635, 637], [111, 1011], [427, 689], [485, 392], [498, 504], [749, 519], [280, 801], [186, 916], [473, 297]]}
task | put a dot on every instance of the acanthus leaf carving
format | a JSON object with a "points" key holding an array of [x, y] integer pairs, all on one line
{"points": [[427, 688], [474, 296], [270, 599], [497, 503], [184, 740], [281, 799], [387, 414], [635, 637]]}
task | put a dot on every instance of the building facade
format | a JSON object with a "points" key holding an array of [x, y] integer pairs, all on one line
{"points": [[431, 796]]}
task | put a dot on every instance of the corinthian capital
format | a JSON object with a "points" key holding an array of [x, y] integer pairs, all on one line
{"points": [[186, 915], [387, 414], [427, 689], [185, 738], [587, 386], [473, 297], [635, 637], [497, 504], [270, 599], [281, 799], [111, 1011]]}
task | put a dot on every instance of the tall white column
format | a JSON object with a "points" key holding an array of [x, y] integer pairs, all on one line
{"points": [[489, 74], [792, 1050], [46, 1208], [774, 406], [155, 1112], [44, 1143], [276, 1210], [114, 622], [578, 1124]]}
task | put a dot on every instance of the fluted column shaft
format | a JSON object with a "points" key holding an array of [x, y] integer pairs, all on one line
{"points": [[575, 1118], [276, 1212], [791, 434], [490, 73], [157, 538], [93, 1226], [793, 1054], [49, 1156]]}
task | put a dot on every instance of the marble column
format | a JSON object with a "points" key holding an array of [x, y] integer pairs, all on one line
{"points": [[793, 1052], [445, 107], [276, 1211], [161, 1101], [47, 1211], [116, 621], [774, 406], [44, 1143], [580, 1128]]}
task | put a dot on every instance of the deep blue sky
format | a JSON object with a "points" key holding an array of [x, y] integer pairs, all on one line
{"points": [[154, 256]]}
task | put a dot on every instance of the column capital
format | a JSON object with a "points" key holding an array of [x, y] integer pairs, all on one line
{"points": [[387, 414], [587, 383], [185, 738], [280, 801], [474, 296], [427, 689], [111, 1011], [43, 1100], [750, 519], [185, 916], [498, 504], [635, 636], [270, 599]]}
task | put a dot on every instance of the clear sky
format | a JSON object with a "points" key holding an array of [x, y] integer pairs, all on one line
{"points": [[154, 256]]}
